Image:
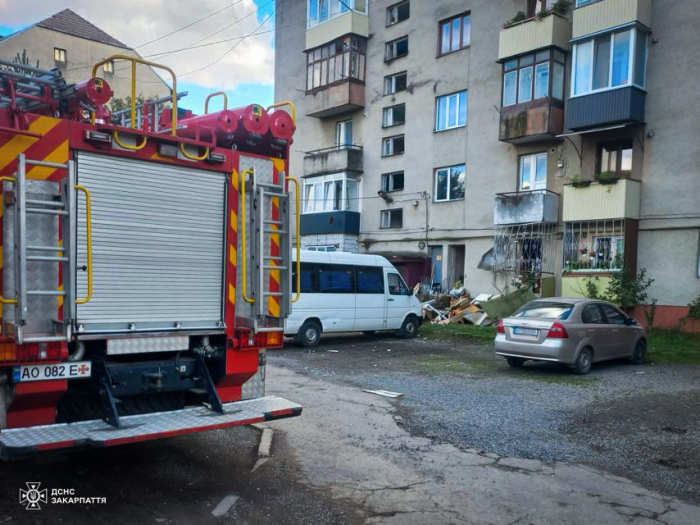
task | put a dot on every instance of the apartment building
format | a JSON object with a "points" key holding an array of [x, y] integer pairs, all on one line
{"points": [[69, 42], [487, 140]]}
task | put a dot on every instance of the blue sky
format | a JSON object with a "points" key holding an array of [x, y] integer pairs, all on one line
{"points": [[243, 94]]}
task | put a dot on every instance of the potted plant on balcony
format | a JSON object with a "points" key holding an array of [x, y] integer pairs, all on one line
{"points": [[520, 16], [576, 182], [607, 177]]}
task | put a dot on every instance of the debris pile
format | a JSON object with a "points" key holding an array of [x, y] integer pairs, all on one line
{"points": [[483, 310]]}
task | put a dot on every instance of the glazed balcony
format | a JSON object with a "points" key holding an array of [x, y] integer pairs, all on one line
{"points": [[535, 33], [526, 207], [603, 15], [346, 157], [335, 99], [601, 201], [344, 18]]}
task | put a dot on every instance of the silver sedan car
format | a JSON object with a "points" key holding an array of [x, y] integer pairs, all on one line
{"points": [[576, 332]]}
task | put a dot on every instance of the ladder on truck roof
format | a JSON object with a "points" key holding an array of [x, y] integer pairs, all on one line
{"points": [[41, 211], [32, 87]]}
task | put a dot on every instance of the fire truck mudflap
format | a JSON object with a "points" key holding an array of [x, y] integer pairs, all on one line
{"points": [[15, 443]]}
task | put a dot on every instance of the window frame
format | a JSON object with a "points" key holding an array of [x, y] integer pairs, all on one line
{"points": [[403, 287], [108, 67], [391, 79], [448, 170], [601, 315], [344, 6], [620, 147], [341, 130], [58, 52], [449, 21], [396, 6], [447, 97], [337, 60], [533, 172], [392, 139], [378, 271], [389, 177], [321, 181], [385, 112], [635, 34], [388, 213], [552, 61], [392, 44]]}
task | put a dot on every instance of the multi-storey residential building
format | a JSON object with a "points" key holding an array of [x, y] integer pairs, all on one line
{"points": [[486, 140], [72, 44]]}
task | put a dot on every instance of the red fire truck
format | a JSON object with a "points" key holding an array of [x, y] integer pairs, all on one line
{"points": [[146, 262]]}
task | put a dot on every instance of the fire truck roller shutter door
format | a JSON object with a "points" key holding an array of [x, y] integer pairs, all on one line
{"points": [[157, 245]]}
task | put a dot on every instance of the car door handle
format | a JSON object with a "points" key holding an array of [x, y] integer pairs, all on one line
{"points": [[390, 299]]}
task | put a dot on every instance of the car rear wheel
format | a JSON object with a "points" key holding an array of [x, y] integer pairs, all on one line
{"points": [[640, 351], [310, 334], [583, 362], [515, 362]]}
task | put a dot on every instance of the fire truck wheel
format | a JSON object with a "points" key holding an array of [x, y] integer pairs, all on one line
{"points": [[310, 334], [409, 329]]}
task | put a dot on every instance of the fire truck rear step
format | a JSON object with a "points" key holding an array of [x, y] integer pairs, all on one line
{"points": [[89, 434]]}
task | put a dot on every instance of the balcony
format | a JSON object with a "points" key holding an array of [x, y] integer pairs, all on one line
{"points": [[338, 24], [601, 201], [334, 160], [529, 207], [335, 99], [532, 121], [343, 222], [532, 34], [608, 14], [624, 105]]}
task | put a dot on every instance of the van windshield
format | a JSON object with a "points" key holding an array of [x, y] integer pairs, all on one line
{"points": [[545, 310]]}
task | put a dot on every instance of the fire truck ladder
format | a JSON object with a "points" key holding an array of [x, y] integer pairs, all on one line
{"points": [[34, 263], [270, 242]]}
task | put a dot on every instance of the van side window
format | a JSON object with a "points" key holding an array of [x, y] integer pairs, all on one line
{"points": [[309, 278], [336, 278], [396, 285], [369, 279]]}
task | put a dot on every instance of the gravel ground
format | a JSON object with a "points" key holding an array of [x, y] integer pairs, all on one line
{"points": [[639, 422]]}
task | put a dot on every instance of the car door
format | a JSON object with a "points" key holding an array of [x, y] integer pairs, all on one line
{"points": [[621, 343], [596, 330], [370, 300], [398, 298]]}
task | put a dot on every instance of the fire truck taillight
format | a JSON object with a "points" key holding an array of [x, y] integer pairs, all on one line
{"points": [[269, 339], [31, 352]]}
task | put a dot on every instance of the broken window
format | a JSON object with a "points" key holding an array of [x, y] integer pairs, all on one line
{"points": [[396, 48], [391, 219], [398, 13]]}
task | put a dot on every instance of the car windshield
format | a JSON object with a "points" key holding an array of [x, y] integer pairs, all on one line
{"points": [[545, 310]]}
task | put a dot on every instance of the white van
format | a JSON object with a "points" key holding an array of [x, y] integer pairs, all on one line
{"points": [[347, 292]]}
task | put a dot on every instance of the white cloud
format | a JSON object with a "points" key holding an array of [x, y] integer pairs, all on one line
{"points": [[136, 22]]}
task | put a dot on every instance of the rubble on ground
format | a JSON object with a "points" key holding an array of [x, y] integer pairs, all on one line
{"points": [[458, 307]]}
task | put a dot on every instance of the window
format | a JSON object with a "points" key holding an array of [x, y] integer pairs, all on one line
{"points": [[398, 13], [369, 279], [609, 61], [396, 285], [615, 159], [59, 55], [451, 111], [396, 49], [340, 60], [323, 248], [392, 146], [449, 183], [392, 181], [594, 246], [336, 192], [528, 77], [533, 172], [391, 219], [394, 115], [545, 310], [613, 315], [455, 34], [336, 278], [591, 314], [581, 3], [343, 133], [320, 11], [309, 278], [108, 67], [395, 83]]}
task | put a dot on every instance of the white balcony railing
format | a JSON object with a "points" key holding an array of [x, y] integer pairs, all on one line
{"points": [[321, 11]]}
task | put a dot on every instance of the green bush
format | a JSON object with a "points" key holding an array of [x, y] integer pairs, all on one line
{"points": [[694, 308]]}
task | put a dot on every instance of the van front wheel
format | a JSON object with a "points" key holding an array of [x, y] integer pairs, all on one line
{"points": [[310, 334], [409, 329]]}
